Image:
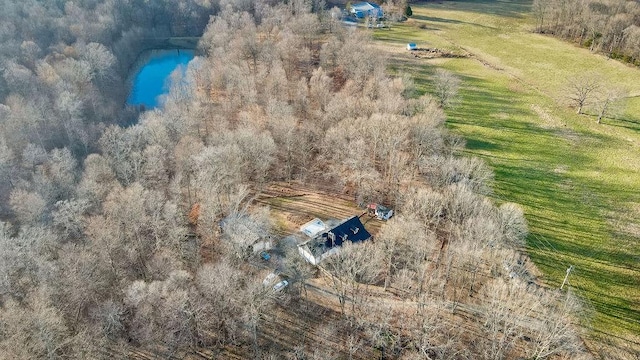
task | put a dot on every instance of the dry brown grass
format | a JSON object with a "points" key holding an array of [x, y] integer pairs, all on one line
{"points": [[293, 204]]}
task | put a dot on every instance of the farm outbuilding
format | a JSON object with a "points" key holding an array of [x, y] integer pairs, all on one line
{"points": [[379, 211], [313, 228]]}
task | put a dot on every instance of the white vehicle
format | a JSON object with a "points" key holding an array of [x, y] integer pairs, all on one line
{"points": [[281, 285]]}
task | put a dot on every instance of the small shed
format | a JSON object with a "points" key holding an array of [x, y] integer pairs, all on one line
{"points": [[412, 46], [379, 211]]}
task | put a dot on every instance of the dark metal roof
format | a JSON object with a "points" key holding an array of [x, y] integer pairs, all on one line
{"points": [[350, 230]]}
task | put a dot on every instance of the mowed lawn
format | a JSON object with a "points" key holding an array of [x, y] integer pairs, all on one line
{"points": [[578, 181]]}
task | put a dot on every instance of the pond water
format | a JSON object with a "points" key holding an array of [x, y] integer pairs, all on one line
{"points": [[151, 79]]}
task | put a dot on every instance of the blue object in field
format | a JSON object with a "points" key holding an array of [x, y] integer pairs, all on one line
{"points": [[265, 256], [150, 81]]}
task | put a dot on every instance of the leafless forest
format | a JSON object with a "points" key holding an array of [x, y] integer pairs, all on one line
{"points": [[124, 235], [608, 26]]}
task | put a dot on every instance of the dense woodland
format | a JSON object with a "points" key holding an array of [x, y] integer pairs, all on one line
{"points": [[608, 26], [125, 234]]}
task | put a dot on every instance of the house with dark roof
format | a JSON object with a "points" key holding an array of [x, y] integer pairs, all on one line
{"points": [[326, 240]]}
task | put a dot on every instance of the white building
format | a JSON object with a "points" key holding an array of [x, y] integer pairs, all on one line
{"points": [[365, 9]]}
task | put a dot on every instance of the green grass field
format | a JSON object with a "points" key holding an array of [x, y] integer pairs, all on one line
{"points": [[578, 181]]}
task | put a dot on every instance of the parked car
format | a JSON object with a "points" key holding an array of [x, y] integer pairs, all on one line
{"points": [[265, 256], [281, 285]]}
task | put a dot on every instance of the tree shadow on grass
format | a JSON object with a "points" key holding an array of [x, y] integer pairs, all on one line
{"points": [[623, 123], [477, 144], [428, 28], [506, 8], [448, 21], [604, 293]]}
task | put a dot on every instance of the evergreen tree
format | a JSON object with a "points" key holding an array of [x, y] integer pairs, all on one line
{"points": [[407, 11]]}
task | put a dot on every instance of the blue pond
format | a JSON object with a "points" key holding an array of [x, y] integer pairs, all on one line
{"points": [[150, 82]]}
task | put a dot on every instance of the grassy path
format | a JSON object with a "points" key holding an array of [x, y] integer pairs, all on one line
{"points": [[577, 181]]}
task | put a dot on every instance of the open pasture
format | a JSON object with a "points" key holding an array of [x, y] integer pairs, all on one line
{"points": [[577, 180]]}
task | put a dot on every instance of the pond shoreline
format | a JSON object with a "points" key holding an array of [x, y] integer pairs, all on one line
{"points": [[154, 47], [148, 78], [169, 43]]}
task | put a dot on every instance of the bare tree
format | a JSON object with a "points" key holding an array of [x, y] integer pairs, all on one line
{"points": [[355, 266], [609, 103], [582, 91], [220, 296], [162, 311], [156, 167], [424, 204], [242, 229], [122, 148], [320, 88], [256, 300], [80, 269], [335, 15], [134, 202], [513, 225], [353, 343], [22, 259], [38, 332], [541, 9], [442, 171], [606, 26], [425, 133], [401, 240], [100, 59], [507, 307], [28, 207], [69, 219], [446, 86], [56, 179], [103, 258], [257, 151], [377, 322], [555, 333], [298, 270], [110, 315], [97, 180]]}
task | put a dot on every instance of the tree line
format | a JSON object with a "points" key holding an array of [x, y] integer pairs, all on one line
{"points": [[134, 234], [611, 27]]}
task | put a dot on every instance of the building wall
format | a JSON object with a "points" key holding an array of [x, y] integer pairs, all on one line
{"points": [[262, 246], [307, 255]]}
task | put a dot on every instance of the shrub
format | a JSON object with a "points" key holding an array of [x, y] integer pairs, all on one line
{"points": [[407, 11]]}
